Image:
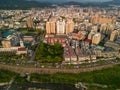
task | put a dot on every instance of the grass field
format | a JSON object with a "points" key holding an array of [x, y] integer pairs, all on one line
{"points": [[109, 77]]}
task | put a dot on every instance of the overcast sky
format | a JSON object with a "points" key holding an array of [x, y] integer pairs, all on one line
{"points": [[77, 0]]}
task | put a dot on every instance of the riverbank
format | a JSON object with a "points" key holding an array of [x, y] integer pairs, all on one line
{"points": [[109, 77], [5, 83]]}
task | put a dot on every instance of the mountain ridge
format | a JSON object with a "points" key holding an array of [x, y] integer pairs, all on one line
{"points": [[28, 4], [21, 4]]}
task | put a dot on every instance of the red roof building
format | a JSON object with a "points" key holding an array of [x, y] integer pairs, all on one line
{"points": [[52, 41], [78, 36], [88, 41], [22, 50]]}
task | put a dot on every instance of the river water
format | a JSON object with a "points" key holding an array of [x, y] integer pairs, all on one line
{"points": [[40, 86]]}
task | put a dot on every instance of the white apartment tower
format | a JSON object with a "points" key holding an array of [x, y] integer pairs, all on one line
{"points": [[60, 26]]}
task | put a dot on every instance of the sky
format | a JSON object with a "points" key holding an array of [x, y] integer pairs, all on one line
{"points": [[76, 0]]}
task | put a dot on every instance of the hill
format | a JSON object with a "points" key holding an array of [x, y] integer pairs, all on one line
{"points": [[21, 4], [28, 4], [99, 4]]}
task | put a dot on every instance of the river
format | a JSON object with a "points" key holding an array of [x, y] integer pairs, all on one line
{"points": [[40, 86]]}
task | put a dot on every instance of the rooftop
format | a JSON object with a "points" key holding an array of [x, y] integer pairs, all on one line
{"points": [[88, 40], [21, 49], [9, 32]]}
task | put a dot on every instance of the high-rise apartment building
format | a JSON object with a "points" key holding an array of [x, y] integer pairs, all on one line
{"points": [[96, 38], [30, 23], [95, 28], [113, 35], [48, 29], [107, 28], [51, 26], [103, 28], [90, 35], [69, 26], [110, 29], [102, 20], [60, 26]]}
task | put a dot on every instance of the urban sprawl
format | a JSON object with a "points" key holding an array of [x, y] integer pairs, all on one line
{"points": [[86, 34]]}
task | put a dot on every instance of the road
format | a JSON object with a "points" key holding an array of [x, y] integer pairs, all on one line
{"points": [[19, 69], [34, 53]]}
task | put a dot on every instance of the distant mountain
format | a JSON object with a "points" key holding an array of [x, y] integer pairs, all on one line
{"points": [[62, 1], [100, 4], [21, 4], [27, 4], [115, 2], [84, 4]]}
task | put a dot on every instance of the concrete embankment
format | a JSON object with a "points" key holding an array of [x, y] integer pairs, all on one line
{"points": [[20, 69], [2, 84]]}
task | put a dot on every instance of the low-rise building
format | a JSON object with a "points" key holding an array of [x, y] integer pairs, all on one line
{"points": [[66, 54], [69, 55], [28, 38], [53, 40], [113, 45], [73, 55], [21, 50], [80, 55], [106, 54], [11, 50], [77, 36]]}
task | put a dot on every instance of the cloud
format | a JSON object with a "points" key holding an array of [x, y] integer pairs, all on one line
{"points": [[76, 0]]}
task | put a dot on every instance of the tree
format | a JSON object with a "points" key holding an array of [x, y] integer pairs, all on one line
{"points": [[49, 53]]}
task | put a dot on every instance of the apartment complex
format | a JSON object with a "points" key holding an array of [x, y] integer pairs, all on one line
{"points": [[59, 27]]}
